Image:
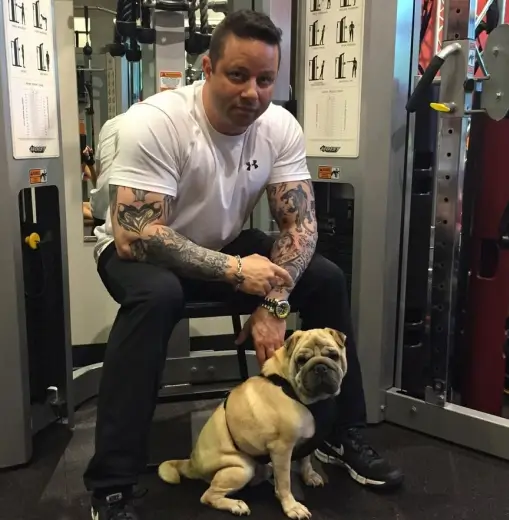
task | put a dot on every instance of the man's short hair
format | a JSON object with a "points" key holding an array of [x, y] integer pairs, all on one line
{"points": [[245, 24]]}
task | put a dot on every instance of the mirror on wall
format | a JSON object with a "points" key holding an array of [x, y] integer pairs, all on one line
{"points": [[108, 86]]}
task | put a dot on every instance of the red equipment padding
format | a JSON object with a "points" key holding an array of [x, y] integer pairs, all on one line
{"points": [[488, 295]]}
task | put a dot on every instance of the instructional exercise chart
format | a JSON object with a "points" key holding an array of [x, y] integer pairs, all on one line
{"points": [[31, 78], [35, 109], [334, 43]]}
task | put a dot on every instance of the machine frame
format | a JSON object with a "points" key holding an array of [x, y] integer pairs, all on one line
{"points": [[437, 414], [384, 127], [23, 419]]}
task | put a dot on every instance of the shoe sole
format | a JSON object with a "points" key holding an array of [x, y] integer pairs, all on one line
{"points": [[379, 484]]}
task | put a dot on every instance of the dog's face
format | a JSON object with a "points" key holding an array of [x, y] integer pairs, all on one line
{"points": [[316, 362]]}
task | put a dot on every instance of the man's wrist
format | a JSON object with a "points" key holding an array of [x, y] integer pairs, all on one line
{"points": [[278, 293], [234, 274]]}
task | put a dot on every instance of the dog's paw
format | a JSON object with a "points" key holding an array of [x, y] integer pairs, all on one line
{"points": [[313, 479], [239, 508], [296, 510]]}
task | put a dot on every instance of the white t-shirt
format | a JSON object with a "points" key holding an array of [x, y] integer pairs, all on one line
{"points": [[105, 153], [167, 145]]}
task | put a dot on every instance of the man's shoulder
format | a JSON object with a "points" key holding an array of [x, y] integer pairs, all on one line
{"points": [[277, 122], [173, 105]]}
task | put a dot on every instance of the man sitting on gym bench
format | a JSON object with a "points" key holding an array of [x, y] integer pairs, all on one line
{"points": [[191, 165]]}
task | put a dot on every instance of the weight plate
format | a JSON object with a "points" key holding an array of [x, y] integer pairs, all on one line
{"points": [[495, 92]]}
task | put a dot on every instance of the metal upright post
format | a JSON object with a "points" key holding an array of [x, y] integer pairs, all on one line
{"points": [[459, 51], [439, 25]]}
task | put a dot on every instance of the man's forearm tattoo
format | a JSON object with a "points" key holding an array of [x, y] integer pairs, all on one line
{"points": [[295, 246], [158, 244]]}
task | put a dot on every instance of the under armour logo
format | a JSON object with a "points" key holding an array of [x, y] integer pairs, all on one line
{"points": [[251, 164]]}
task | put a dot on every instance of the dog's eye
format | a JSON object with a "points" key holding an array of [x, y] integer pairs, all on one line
{"points": [[302, 360], [333, 355]]}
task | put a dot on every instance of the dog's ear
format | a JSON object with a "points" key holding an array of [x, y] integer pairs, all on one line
{"points": [[291, 342], [338, 336]]}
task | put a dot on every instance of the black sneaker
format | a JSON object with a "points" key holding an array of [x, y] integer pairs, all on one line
{"points": [[113, 507], [362, 462]]}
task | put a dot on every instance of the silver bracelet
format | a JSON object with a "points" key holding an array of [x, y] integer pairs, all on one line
{"points": [[238, 275]]}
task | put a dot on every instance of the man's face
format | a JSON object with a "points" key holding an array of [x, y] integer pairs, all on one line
{"points": [[242, 83]]}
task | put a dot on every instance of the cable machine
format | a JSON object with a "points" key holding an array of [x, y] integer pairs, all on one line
{"points": [[450, 374]]}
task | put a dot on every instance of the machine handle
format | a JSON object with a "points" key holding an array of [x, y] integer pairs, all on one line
{"points": [[429, 75]]}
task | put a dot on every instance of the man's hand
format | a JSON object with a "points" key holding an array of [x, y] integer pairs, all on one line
{"points": [[268, 333], [260, 275]]}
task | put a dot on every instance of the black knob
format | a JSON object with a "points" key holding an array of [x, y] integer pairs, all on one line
{"points": [[116, 49], [197, 43], [87, 50], [146, 35], [133, 55]]}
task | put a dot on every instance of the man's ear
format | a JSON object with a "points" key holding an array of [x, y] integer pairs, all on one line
{"points": [[292, 341], [338, 336], [206, 66]]}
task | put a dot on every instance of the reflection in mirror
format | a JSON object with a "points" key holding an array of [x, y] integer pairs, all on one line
{"points": [[98, 91], [108, 86]]}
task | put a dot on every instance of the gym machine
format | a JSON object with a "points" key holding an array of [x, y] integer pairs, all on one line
{"points": [[356, 129], [35, 356], [450, 365], [361, 187]]}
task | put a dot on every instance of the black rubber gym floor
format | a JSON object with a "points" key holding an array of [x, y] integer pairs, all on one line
{"points": [[442, 481]]}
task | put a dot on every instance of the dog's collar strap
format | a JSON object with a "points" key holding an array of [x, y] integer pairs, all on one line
{"points": [[323, 413], [284, 385]]}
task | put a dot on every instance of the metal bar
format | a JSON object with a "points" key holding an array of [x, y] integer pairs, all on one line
{"points": [[215, 5], [439, 25], [96, 8], [167, 5], [480, 60], [476, 430], [202, 367], [208, 367], [407, 206], [483, 12], [445, 242], [501, 8]]}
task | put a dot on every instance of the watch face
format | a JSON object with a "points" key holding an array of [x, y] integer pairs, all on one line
{"points": [[282, 309]]}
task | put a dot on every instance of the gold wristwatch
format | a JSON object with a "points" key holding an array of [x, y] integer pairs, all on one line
{"points": [[278, 308]]}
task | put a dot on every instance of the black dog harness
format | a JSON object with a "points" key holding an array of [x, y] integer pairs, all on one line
{"points": [[323, 413]]}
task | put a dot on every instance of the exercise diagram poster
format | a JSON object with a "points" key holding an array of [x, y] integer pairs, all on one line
{"points": [[332, 94], [30, 54]]}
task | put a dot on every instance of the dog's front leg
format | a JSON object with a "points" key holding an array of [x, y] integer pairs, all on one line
{"points": [[281, 456]]}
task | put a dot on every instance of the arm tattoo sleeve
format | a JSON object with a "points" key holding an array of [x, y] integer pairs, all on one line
{"points": [[140, 218], [292, 205]]}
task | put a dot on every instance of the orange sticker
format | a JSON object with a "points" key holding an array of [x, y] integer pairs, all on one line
{"points": [[169, 80], [324, 172], [329, 172], [38, 176]]}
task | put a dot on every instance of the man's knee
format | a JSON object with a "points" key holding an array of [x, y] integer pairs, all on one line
{"points": [[164, 293]]}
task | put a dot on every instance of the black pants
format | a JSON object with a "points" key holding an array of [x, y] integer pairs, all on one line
{"points": [[151, 302]]}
